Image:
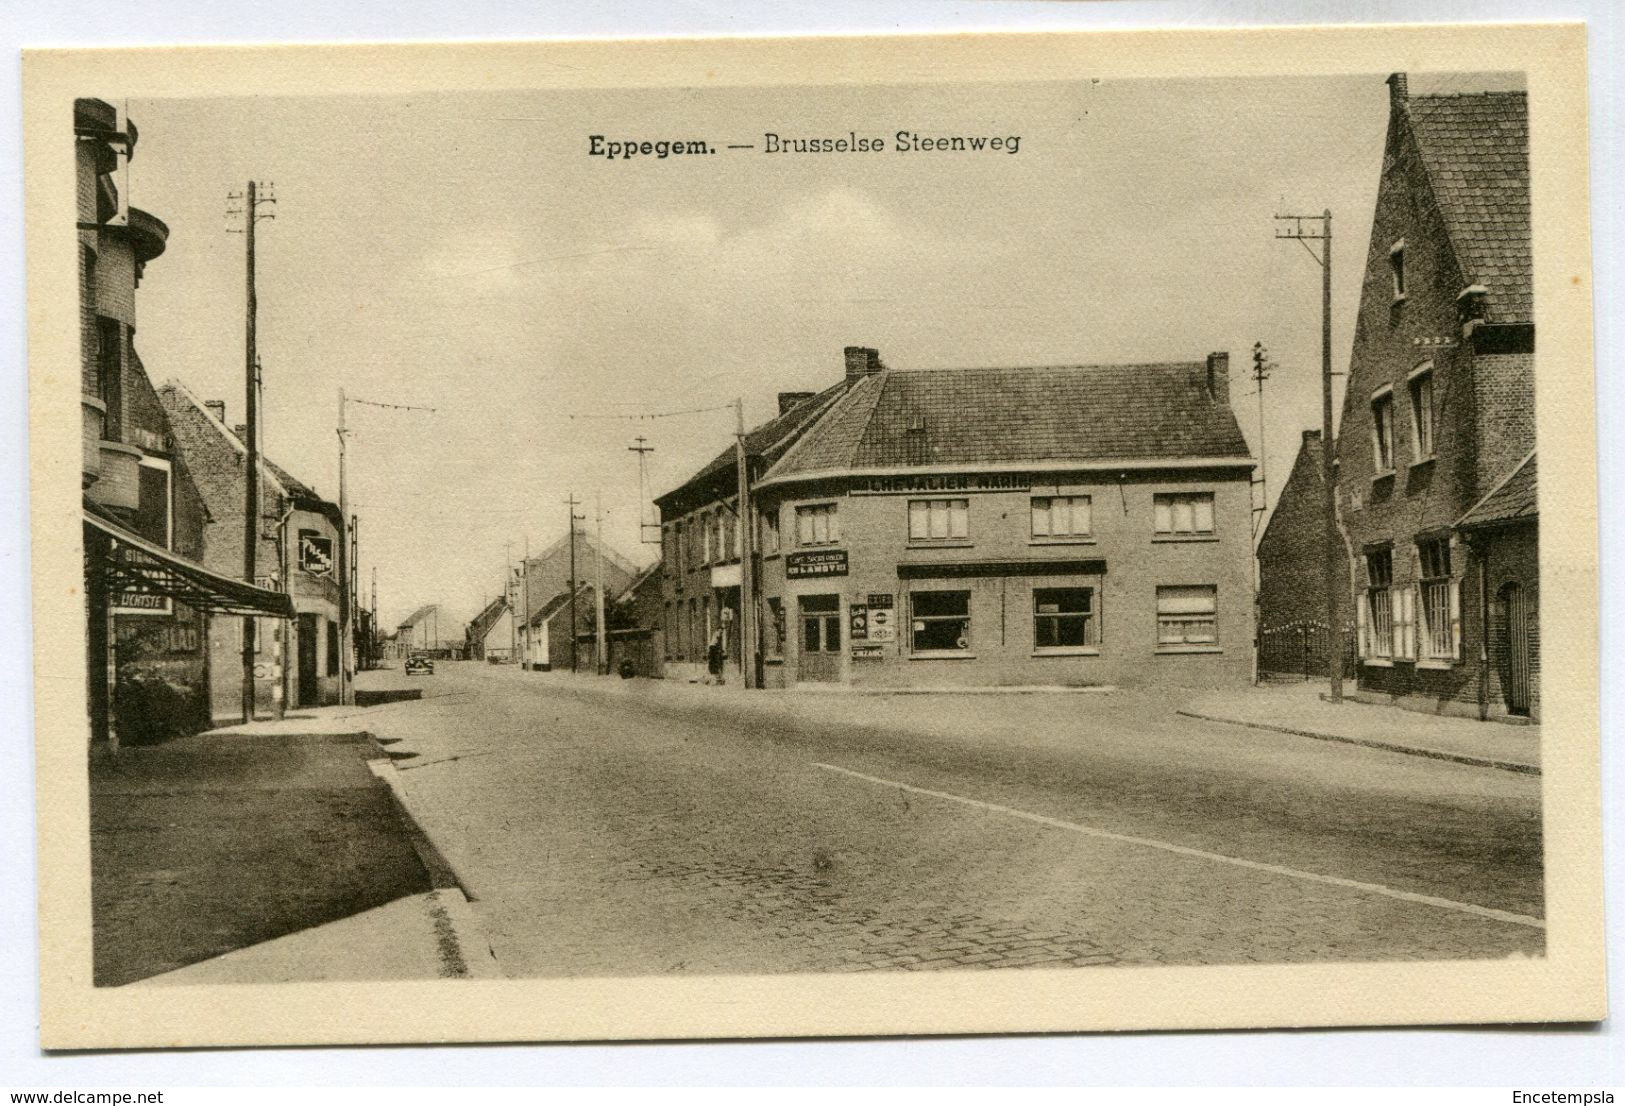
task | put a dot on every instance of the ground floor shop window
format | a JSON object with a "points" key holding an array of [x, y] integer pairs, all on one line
{"points": [[332, 648], [1187, 615], [1064, 618], [940, 621]]}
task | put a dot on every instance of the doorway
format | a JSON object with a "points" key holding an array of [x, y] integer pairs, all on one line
{"points": [[820, 659], [307, 660], [1514, 648]]}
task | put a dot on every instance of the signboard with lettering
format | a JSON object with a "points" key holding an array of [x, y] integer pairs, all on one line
{"points": [[809, 563], [315, 553], [140, 602], [858, 622], [943, 482], [868, 652], [881, 626]]}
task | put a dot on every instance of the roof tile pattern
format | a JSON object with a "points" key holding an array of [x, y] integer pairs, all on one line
{"points": [[1476, 151], [1073, 413], [1514, 500]]}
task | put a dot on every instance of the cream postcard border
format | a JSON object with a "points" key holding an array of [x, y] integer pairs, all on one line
{"points": [[1567, 985]]}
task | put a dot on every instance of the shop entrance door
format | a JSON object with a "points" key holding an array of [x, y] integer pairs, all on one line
{"points": [[820, 659], [1515, 649], [307, 660]]}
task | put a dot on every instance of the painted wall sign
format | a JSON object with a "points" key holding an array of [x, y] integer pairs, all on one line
{"points": [[821, 562], [943, 482], [881, 625], [315, 553]]}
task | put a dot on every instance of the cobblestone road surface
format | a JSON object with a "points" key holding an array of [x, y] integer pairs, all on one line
{"points": [[607, 831]]}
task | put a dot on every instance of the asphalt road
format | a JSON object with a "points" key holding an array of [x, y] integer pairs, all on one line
{"points": [[627, 829]]}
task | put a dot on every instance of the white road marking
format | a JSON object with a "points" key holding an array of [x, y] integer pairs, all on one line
{"points": [[1203, 854]]}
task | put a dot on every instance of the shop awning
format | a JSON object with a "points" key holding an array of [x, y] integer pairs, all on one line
{"points": [[136, 565]]}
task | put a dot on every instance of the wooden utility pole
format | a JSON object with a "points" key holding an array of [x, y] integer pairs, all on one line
{"points": [[1328, 452], [600, 637], [572, 503], [344, 564], [251, 471], [747, 578]]}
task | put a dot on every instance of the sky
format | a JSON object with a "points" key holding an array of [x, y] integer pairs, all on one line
{"points": [[466, 253]]}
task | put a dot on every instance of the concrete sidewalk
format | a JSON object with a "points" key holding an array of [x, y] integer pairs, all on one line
{"points": [[272, 852], [1299, 709]]}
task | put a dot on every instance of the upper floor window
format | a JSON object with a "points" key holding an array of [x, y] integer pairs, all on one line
{"points": [[1421, 389], [1396, 265], [818, 524], [708, 539], [1382, 430], [938, 520], [110, 375], [1183, 513], [1061, 516], [770, 531], [729, 544]]}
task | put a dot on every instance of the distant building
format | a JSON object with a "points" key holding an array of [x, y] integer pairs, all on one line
{"points": [[420, 632], [548, 636], [492, 632], [1435, 475], [296, 661], [634, 626], [148, 590], [1069, 525], [579, 557]]}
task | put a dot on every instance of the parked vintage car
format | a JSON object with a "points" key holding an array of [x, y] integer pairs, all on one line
{"points": [[419, 666]]}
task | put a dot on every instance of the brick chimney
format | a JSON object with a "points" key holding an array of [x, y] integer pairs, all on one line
{"points": [[861, 361], [217, 408], [789, 400], [1398, 91], [241, 430], [1218, 378]]}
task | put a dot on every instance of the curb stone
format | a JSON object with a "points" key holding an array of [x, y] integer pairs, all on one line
{"points": [[1373, 743]]}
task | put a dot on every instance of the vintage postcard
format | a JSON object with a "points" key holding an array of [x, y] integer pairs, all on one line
{"points": [[788, 537]]}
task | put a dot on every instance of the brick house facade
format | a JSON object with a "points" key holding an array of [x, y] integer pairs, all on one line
{"points": [[1439, 412], [1292, 632], [296, 662], [1067, 525]]}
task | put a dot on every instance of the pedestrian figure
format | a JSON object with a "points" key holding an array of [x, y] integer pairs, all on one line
{"points": [[715, 654]]}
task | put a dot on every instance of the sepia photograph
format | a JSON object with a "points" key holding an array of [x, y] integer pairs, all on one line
{"points": [[826, 547]]}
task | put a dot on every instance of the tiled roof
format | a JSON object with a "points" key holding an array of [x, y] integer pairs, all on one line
{"points": [[1071, 413], [552, 606], [418, 615], [1476, 151], [488, 617], [1512, 500], [768, 440]]}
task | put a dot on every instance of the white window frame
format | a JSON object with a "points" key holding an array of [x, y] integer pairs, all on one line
{"points": [[1043, 518], [939, 521], [1438, 600], [1422, 414], [1191, 500], [1378, 616], [808, 536], [1382, 430], [770, 531], [1187, 642]]}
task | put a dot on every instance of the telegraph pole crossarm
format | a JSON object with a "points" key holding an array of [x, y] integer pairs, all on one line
{"points": [[1306, 229]]}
